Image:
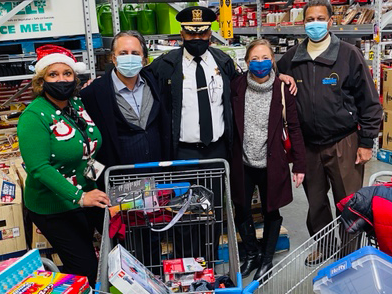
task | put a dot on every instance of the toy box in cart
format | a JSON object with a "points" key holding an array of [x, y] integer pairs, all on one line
{"points": [[129, 275], [48, 282], [366, 270]]}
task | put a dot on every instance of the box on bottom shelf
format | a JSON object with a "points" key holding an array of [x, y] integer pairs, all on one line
{"points": [[364, 271], [12, 233]]}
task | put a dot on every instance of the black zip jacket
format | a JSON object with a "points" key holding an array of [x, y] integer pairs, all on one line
{"points": [[167, 69], [336, 94]]}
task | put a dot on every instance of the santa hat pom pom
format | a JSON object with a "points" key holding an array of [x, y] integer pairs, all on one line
{"points": [[80, 67]]}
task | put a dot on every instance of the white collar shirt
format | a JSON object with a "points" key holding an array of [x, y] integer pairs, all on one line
{"points": [[190, 128]]}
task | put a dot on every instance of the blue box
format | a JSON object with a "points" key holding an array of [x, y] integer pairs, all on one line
{"points": [[364, 271], [384, 156]]}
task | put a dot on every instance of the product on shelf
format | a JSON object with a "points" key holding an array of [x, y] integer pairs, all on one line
{"points": [[12, 232]]}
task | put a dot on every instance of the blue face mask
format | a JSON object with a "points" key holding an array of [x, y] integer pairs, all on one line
{"points": [[129, 65], [316, 30], [260, 68]]}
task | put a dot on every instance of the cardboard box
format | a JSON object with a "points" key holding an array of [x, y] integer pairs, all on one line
{"points": [[38, 240], [12, 232], [387, 131], [44, 19], [56, 283], [130, 276], [387, 89]]}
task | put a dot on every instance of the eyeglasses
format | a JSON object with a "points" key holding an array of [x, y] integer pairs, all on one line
{"points": [[79, 121]]}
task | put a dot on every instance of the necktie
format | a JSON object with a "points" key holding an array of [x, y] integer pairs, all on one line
{"points": [[205, 120]]}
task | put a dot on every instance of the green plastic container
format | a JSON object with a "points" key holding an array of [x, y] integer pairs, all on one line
{"points": [[128, 18], [166, 19], [146, 22], [105, 23]]}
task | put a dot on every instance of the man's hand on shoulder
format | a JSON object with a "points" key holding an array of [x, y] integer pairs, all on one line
{"points": [[289, 80], [88, 83], [363, 155]]}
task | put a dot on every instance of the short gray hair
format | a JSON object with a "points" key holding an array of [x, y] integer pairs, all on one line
{"points": [[135, 34], [324, 3]]}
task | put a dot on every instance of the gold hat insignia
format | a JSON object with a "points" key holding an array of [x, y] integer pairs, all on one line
{"points": [[197, 15]]}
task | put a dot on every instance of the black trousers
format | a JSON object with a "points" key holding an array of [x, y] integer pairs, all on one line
{"points": [[252, 177], [190, 240], [71, 235]]}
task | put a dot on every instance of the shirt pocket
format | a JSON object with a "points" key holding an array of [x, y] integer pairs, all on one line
{"points": [[216, 90]]}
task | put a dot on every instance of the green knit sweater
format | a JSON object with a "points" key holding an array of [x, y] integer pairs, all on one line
{"points": [[54, 153]]}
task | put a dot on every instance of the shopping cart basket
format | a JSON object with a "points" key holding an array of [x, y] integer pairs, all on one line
{"points": [[144, 233], [291, 275]]}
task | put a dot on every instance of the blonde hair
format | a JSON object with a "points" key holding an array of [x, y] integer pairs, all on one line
{"points": [[259, 42], [38, 82]]}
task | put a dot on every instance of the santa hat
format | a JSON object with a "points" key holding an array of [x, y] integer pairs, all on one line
{"points": [[50, 54]]}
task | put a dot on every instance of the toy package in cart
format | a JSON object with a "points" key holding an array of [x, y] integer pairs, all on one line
{"points": [[48, 282], [129, 275]]}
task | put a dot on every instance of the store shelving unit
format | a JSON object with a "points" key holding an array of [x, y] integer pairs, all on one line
{"points": [[86, 55], [347, 30], [115, 4]]}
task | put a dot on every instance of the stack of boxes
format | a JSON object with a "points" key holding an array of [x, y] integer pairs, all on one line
{"points": [[385, 154], [244, 17], [12, 233]]}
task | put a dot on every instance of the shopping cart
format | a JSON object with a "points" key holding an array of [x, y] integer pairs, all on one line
{"points": [[143, 234], [291, 275]]}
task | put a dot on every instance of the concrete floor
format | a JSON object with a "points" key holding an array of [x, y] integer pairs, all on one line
{"points": [[294, 214]]}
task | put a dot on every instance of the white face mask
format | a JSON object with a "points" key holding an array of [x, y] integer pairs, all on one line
{"points": [[129, 65]]}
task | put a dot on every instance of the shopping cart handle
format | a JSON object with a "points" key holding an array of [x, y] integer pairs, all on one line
{"points": [[251, 287], [167, 163]]}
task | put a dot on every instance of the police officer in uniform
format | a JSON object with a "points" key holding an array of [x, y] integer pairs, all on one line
{"points": [[195, 94]]}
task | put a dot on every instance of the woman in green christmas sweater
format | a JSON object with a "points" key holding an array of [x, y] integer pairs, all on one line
{"points": [[57, 141]]}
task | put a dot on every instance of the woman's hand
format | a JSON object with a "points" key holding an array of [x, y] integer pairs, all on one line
{"points": [[298, 179], [289, 80], [96, 198]]}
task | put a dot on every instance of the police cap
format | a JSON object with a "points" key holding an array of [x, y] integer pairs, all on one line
{"points": [[196, 19]]}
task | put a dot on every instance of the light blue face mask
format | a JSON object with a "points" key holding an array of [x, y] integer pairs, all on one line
{"points": [[129, 65], [316, 30]]}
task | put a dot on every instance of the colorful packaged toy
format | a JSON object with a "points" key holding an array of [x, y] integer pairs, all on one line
{"points": [[56, 283]]}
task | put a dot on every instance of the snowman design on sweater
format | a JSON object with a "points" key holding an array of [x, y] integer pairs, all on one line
{"points": [[62, 130], [83, 114]]}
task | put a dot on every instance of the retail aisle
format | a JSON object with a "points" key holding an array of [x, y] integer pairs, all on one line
{"points": [[294, 214]]}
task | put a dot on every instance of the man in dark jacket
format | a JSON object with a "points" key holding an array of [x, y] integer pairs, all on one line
{"points": [[125, 106], [339, 113]]}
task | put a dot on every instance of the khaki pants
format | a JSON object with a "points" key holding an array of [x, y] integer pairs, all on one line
{"points": [[328, 166]]}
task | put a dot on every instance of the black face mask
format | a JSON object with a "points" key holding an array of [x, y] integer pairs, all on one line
{"points": [[196, 47], [60, 90]]}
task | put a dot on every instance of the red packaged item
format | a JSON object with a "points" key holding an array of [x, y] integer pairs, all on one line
{"points": [[242, 24], [235, 24], [251, 15], [207, 275], [238, 10], [242, 18], [253, 22]]}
